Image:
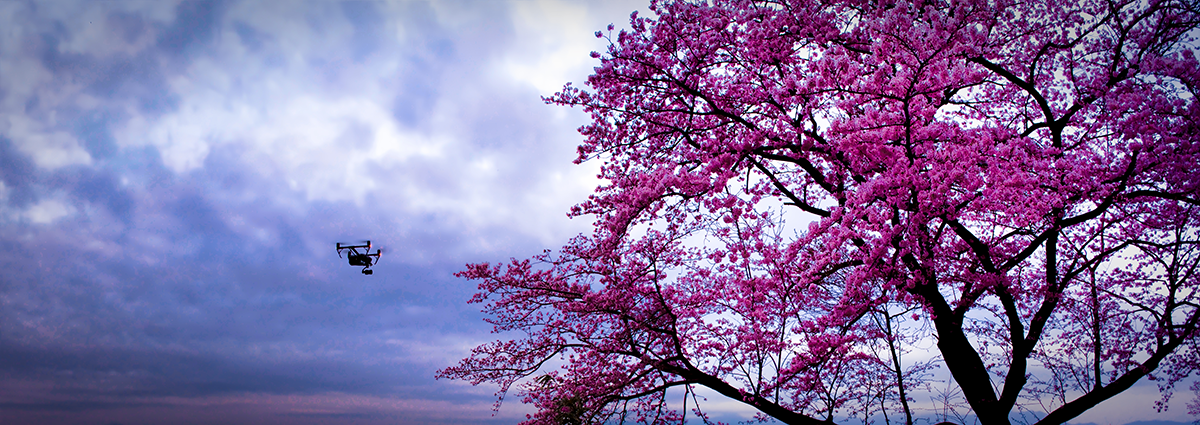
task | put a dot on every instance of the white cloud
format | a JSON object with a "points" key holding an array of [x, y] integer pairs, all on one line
{"points": [[300, 112], [322, 146], [47, 211], [296, 112], [553, 41], [33, 130], [49, 148], [32, 94]]}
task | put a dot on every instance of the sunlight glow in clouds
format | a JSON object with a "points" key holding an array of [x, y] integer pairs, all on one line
{"points": [[548, 52]]}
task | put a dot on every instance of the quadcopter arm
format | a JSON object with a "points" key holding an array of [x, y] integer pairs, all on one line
{"points": [[352, 247]]}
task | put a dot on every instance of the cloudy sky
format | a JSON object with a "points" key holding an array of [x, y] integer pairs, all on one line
{"points": [[173, 178]]}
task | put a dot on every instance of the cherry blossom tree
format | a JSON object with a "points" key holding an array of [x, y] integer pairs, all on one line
{"points": [[802, 197]]}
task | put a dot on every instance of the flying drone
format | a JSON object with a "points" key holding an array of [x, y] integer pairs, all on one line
{"points": [[363, 258]]}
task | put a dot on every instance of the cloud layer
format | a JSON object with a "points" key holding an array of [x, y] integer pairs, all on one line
{"points": [[173, 177]]}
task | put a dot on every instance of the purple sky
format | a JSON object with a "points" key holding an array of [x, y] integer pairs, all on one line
{"points": [[173, 177]]}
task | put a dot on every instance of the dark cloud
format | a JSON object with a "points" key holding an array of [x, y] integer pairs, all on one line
{"points": [[93, 186], [239, 319], [140, 79], [92, 127], [250, 37], [138, 76], [194, 27], [418, 93], [130, 27], [180, 303], [432, 57], [67, 66], [90, 373], [18, 174], [369, 27]]}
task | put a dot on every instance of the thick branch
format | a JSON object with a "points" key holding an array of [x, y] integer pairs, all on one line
{"points": [[977, 246], [1182, 197], [1024, 85], [1015, 380], [783, 189], [764, 405], [1087, 401], [961, 357], [803, 163]]}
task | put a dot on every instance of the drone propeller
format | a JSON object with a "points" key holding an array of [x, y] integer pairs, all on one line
{"points": [[359, 244]]}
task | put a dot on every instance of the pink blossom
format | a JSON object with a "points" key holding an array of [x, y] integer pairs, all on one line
{"points": [[796, 193]]}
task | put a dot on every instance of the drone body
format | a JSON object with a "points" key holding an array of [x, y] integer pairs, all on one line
{"points": [[364, 259]]}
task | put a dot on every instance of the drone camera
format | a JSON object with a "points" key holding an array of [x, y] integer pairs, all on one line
{"points": [[368, 272]]}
